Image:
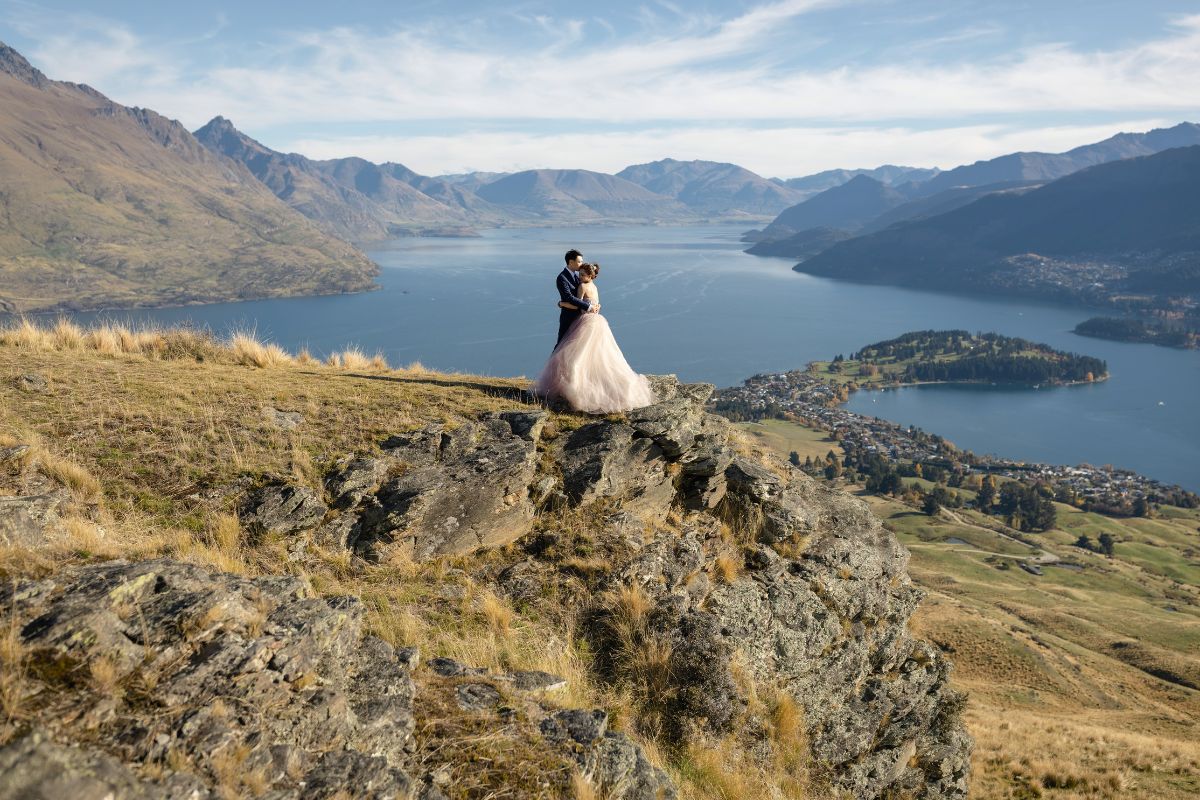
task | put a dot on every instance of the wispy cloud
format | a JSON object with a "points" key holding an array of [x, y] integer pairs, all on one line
{"points": [[683, 78], [782, 151]]}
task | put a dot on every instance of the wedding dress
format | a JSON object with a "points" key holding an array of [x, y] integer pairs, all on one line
{"points": [[588, 371]]}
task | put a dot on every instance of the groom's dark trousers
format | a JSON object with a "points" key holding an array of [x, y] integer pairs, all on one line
{"points": [[568, 289]]}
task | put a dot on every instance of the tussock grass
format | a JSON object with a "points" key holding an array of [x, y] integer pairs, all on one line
{"points": [[249, 351]]}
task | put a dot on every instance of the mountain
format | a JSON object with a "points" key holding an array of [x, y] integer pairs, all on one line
{"points": [[472, 180], [351, 198], [1050, 166], [580, 195], [942, 202], [1134, 222], [712, 188], [105, 205], [845, 207], [805, 244], [890, 174]]}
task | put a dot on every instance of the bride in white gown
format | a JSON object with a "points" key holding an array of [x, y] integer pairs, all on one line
{"points": [[587, 369]]}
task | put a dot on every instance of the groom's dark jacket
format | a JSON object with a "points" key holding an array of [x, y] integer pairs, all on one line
{"points": [[568, 291]]}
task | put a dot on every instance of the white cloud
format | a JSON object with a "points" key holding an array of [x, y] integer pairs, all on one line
{"points": [[703, 85], [782, 152]]}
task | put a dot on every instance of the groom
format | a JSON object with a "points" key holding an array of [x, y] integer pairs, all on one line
{"points": [[568, 291]]}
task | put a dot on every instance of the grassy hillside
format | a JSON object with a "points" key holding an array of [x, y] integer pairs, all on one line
{"points": [[1085, 681], [103, 205], [157, 433]]}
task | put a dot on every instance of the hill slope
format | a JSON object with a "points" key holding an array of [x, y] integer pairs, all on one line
{"points": [[104, 205], [578, 194], [846, 207], [712, 187], [889, 174], [1141, 215], [350, 198], [1050, 166]]}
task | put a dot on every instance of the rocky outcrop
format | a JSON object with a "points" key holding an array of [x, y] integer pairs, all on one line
{"points": [[819, 605], [164, 680], [745, 572]]}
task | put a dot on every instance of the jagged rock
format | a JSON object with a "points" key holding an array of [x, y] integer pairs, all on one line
{"points": [[605, 460], [284, 420], [674, 423], [477, 696], [779, 508], [33, 768], [425, 508], [27, 521], [210, 652], [607, 759], [526, 424], [449, 668], [32, 382], [338, 532], [282, 509], [13, 453], [534, 681], [354, 479]]}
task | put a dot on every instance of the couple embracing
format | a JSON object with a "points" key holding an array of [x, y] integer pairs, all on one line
{"points": [[587, 370]]}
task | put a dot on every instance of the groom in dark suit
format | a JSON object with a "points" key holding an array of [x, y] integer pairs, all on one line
{"points": [[568, 291]]}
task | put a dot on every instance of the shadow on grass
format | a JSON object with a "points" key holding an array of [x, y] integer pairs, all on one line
{"points": [[514, 393]]}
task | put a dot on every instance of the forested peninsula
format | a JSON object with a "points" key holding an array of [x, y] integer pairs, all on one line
{"points": [[958, 356], [1136, 330]]}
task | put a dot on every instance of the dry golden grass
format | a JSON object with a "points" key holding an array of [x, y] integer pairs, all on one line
{"points": [[1076, 757], [105, 676], [249, 351], [726, 567]]}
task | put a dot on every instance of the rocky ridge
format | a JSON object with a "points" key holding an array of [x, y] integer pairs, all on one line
{"points": [[816, 605]]}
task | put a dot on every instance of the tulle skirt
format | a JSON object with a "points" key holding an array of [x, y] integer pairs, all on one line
{"points": [[588, 371]]}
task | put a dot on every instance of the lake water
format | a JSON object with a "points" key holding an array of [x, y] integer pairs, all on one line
{"points": [[687, 300]]}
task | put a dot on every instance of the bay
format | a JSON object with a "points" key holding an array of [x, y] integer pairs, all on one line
{"points": [[687, 300]]}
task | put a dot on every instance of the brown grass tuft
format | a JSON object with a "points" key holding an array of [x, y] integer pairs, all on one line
{"points": [[105, 676], [249, 351]]}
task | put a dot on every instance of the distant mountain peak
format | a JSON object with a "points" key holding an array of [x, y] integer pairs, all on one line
{"points": [[13, 63]]}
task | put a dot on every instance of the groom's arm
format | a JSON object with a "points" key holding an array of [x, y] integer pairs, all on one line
{"points": [[567, 296]]}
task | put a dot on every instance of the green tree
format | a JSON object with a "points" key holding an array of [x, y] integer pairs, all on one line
{"points": [[794, 458], [1084, 542], [935, 499], [1107, 544], [1141, 508], [986, 495]]}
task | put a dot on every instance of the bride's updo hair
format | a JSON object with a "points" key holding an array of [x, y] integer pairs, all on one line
{"points": [[591, 270]]}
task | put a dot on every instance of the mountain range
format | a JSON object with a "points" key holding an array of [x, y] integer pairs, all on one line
{"points": [[712, 187], [889, 174], [102, 205], [1132, 223], [110, 206], [866, 204]]}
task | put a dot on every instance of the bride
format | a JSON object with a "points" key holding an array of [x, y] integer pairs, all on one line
{"points": [[587, 369]]}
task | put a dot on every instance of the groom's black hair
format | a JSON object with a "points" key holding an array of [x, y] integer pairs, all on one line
{"points": [[572, 255]]}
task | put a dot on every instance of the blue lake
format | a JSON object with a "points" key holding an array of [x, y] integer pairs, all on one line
{"points": [[687, 300]]}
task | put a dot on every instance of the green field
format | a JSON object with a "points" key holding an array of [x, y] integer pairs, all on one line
{"points": [[786, 437]]}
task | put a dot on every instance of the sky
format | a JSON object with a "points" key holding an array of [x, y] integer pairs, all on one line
{"points": [[783, 88]]}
